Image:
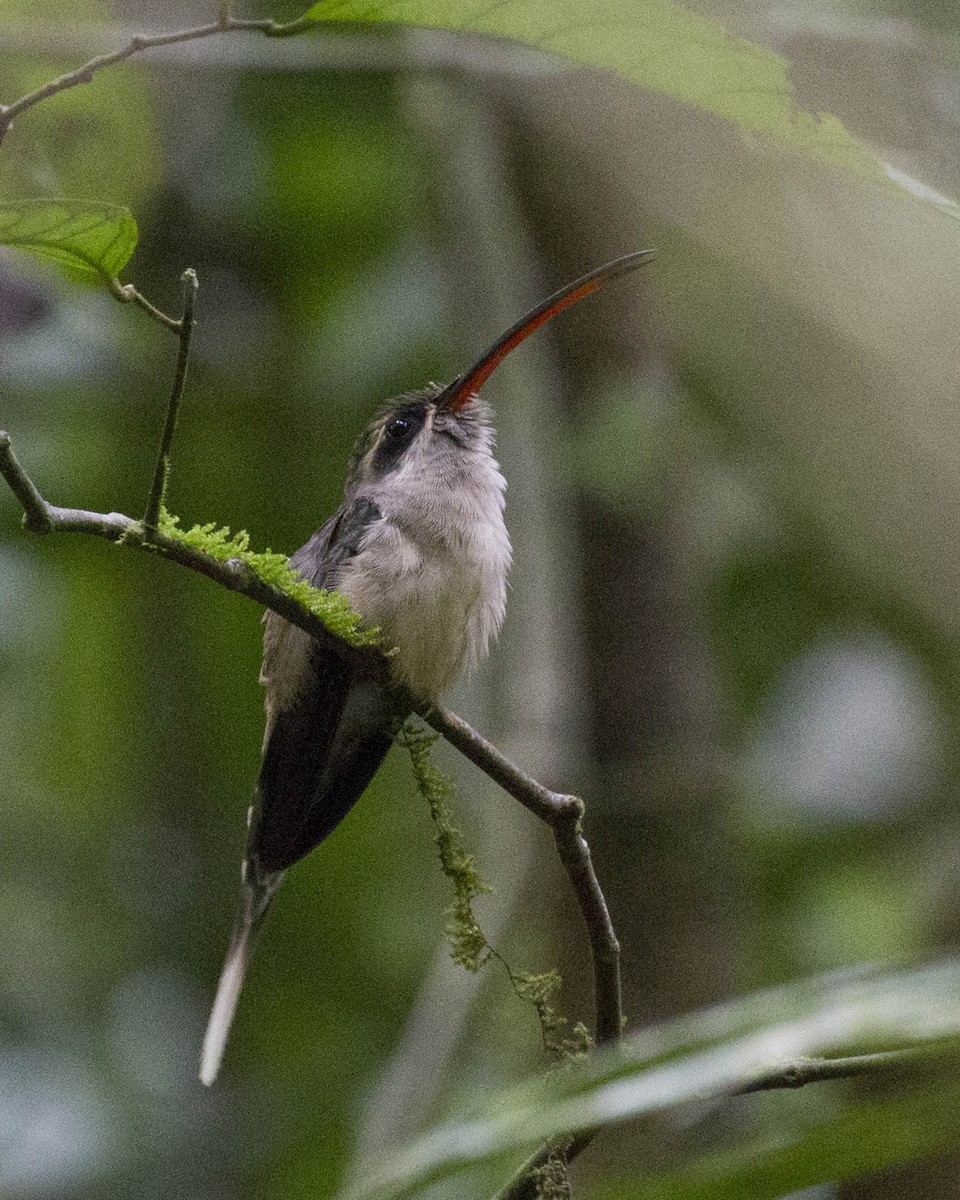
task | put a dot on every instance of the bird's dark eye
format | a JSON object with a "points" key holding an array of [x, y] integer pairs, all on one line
{"points": [[399, 432], [399, 427]]}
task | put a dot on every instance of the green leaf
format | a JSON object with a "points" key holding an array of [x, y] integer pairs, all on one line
{"points": [[659, 45], [89, 239], [698, 1058]]}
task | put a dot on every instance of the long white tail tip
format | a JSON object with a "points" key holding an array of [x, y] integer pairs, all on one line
{"points": [[224, 1007]]}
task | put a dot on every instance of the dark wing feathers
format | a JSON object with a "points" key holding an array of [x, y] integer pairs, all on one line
{"points": [[298, 749], [326, 744]]}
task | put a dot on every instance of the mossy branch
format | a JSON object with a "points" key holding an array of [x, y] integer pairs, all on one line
{"points": [[273, 570], [265, 578], [468, 943]]}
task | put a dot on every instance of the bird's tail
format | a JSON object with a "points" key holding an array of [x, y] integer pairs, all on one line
{"points": [[258, 891]]}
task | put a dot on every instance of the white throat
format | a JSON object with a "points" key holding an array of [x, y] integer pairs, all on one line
{"points": [[432, 573]]}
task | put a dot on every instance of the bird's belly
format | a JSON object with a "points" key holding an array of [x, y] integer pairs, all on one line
{"points": [[437, 604]]}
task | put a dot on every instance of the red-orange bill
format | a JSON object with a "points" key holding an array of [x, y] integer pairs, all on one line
{"points": [[456, 394]]}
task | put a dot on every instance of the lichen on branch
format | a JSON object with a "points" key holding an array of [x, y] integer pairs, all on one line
{"points": [[468, 943], [561, 1040]]}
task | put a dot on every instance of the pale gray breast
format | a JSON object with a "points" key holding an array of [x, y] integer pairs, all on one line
{"points": [[432, 573]]}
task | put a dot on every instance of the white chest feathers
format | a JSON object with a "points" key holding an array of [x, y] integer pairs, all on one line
{"points": [[432, 573]]}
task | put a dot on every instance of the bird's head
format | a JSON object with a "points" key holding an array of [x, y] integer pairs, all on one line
{"points": [[454, 416]]}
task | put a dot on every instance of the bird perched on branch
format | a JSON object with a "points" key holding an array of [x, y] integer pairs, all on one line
{"points": [[420, 548]]}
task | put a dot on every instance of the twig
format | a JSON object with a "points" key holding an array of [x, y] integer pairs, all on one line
{"points": [[794, 1074], [158, 489], [36, 513], [225, 23], [234, 574], [799, 1073], [137, 44], [126, 293]]}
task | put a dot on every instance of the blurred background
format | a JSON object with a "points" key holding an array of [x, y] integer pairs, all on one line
{"points": [[734, 490]]}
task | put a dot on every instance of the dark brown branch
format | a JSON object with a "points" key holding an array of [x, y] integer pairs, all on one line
{"points": [[564, 815], [541, 801]]}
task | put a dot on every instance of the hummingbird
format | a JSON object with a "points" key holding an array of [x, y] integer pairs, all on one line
{"points": [[420, 548]]}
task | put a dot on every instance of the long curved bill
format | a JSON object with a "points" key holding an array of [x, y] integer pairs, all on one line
{"points": [[456, 394]]}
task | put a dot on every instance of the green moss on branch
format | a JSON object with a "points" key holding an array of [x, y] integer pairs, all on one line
{"points": [[332, 608]]}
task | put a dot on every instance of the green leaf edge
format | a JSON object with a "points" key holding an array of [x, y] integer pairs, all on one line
{"points": [[104, 266], [756, 96]]}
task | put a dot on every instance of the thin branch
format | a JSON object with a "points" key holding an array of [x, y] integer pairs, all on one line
{"points": [[564, 815], [234, 574], [161, 473], [36, 511], [541, 801], [137, 44], [126, 293], [799, 1073]]}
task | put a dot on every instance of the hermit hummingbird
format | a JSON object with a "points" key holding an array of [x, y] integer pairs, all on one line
{"points": [[420, 549]]}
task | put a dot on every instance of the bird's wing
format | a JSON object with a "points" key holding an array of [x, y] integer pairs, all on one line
{"points": [[327, 732], [328, 727]]}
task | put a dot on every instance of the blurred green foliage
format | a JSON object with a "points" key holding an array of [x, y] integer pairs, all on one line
{"points": [[697, 1062]]}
